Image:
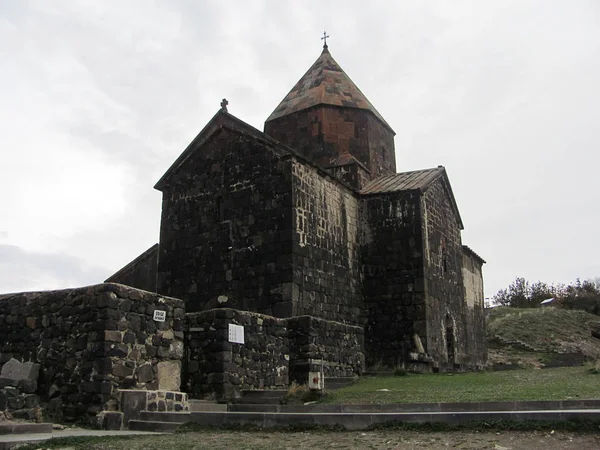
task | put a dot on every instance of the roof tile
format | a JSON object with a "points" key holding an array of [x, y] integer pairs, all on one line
{"points": [[325, 83]]}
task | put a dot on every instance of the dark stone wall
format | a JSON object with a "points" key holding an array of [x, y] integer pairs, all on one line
{"points": [[90, 342], [274, 350], [382, 154], [226, 229], [326, 252], [353, 174], [215, 365], [139, 273], [340, 347], [446, 316], [324, 132], [474, 309], [394, 284]]}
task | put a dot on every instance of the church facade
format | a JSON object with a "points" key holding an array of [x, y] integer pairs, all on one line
{"points": [[310, 218]]}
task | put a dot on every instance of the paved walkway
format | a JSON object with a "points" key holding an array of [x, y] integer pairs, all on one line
{"points": [[8, 441]]}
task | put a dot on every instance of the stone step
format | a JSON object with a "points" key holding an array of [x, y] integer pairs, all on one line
{"points": [[264, 394], [163, 416], [24, 428], [537, 405], [259, 401], [157, 426], [268, 397], [201, 405], [361, 421]]}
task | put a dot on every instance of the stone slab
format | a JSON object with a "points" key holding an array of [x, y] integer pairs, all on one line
{"points": [[24, 428], [420, 407], [169, 375], [133, 402], [173, 417], [142, 425], [17, 371]]}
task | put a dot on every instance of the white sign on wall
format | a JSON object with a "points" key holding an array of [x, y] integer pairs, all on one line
{"points": [[160, 315], [236, 334]]}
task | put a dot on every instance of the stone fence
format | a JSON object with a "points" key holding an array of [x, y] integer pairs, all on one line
{"points": [[339, 348], [91, 342], [215, 365], [274, 351]]}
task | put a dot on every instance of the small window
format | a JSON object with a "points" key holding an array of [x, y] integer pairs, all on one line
{"points": [[220, 209]]}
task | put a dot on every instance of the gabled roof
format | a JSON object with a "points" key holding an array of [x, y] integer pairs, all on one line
{"points": [[417, 180], [152, 252], [405, 181], [223, 120], [325, 83], [345, 159], [220, 120], [468, 250]]}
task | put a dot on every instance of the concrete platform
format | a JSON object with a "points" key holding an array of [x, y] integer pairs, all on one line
{"points": [[357, 420], [420, 407], [9, 441]]}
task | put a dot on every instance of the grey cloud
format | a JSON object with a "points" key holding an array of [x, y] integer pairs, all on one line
{"points": [[21, 270], [502, 93]]}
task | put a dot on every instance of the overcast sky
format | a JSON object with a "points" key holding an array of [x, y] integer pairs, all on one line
{"points": [[98, 98]]}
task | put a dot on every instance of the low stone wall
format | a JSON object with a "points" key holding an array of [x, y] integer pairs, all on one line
{"points": [[215, 365], [274, 352], [18, 386], [339, 348], [91, 342]]}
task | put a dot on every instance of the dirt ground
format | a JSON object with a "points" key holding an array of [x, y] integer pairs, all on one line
{"points": [[535, 440]]}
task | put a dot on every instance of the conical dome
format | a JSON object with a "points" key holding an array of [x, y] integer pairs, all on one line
{"points": [[329, 121], [325, 83]]}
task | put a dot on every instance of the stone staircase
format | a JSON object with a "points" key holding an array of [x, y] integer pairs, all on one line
{"points": [[360, 417], [268, 397], [250, 402], [170, 421], [520, 345]]}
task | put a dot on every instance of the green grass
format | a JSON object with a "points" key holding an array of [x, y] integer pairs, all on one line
{"points": [[532, 384], [548, 329]]}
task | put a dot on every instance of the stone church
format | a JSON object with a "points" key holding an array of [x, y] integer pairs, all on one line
{"points": [[311, 218]]}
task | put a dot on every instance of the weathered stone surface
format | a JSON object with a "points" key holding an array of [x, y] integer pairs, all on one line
{"points": [[145, 373], [15, 370], [274, 352], [169, 375], [83, 344], [110, 420]]}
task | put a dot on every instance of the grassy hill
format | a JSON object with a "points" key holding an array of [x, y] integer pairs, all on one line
{"points": [[541, 330]]}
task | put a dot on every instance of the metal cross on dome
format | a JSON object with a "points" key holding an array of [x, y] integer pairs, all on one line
{"points": [[324, 39]]}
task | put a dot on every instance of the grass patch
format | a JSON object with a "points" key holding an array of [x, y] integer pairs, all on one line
{"points": [[532, 384], [547, 329]]}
